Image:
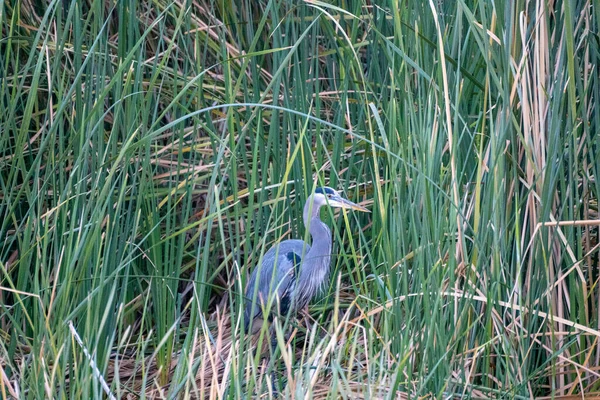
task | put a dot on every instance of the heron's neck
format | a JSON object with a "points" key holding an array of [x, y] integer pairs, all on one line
{"points": [[320, 249], [314, 272]]}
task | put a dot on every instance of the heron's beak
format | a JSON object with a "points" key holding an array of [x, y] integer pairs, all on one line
{"points": [[340, 202]]}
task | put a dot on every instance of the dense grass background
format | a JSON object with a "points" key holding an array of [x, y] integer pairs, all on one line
{"points": [[151, 151]]}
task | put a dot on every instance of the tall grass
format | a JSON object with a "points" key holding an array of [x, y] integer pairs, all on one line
{"points": [[152, 151]]}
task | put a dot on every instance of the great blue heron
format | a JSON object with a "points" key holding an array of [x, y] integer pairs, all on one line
{"points": [[293, 272]]}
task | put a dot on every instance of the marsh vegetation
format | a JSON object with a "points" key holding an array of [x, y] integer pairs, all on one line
{"points": [[152, 151]]}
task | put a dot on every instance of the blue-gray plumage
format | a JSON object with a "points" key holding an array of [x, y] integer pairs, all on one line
{"points": [[293, 272]]}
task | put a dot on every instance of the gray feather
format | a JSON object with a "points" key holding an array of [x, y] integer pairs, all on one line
{"points": [[277, 276], [292, 272]]}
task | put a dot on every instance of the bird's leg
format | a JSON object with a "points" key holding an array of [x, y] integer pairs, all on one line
{"points": [[306, 317], [273, 344], [274, 378]]}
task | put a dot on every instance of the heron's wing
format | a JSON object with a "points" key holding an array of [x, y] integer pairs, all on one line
{"points": [[285, 297], [275, 277]]}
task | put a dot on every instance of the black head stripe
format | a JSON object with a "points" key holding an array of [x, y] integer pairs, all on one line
{"points": [[324, 190]]}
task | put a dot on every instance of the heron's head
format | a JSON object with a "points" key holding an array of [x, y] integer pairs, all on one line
{"points": [[327, 196]]}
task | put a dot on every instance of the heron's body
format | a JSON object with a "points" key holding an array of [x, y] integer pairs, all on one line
{"points": [[292, 272]]}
